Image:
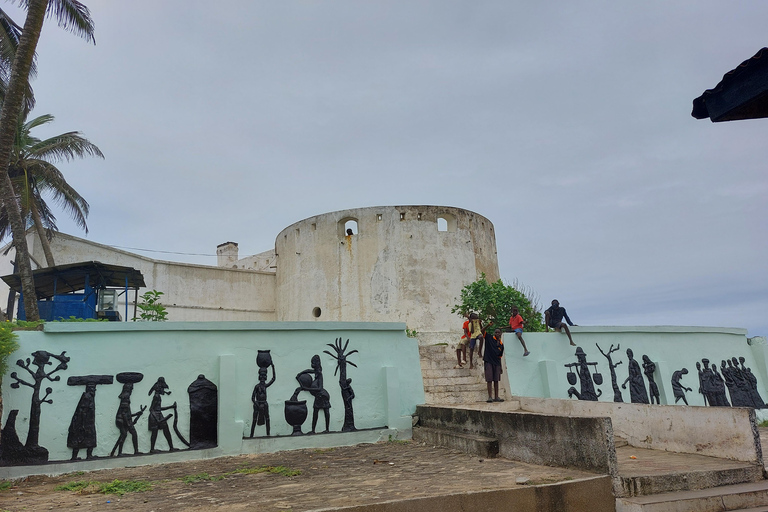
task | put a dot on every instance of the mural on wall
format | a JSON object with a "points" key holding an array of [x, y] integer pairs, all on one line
{"points": [[612, 367], [677, 387], [203, 414], [125, 420], [649, 367], [347, 393], [203, 404], [311, 381], [259, 395], [637, 392], [82, 428], [158, 420], [712, 384], [12, 451], [584, 375]]}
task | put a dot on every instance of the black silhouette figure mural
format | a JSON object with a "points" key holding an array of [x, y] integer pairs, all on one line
{"points": [[736, 385], [82, 428], [702, 385], [712, 384], [311, 380], [614, 382], [125, 420], [159, 421], [203, 414], [649, 367], [757, 400], [259, 395], [677, 387], [32, 452], [347, 393], [637, 391], [587, 385]]}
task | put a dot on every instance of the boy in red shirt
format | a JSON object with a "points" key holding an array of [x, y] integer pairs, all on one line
{"points": [[461, 348], [516, 324]]}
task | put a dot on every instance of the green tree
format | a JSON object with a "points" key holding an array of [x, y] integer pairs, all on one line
{"points": [[34, 175], [73, 16], [493, 302], [152, 310]]}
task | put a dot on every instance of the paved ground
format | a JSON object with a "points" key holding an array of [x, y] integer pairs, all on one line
{"points": [[333, 477]]}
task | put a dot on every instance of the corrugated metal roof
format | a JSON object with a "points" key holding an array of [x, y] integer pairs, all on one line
{"points": [[71, 278]]}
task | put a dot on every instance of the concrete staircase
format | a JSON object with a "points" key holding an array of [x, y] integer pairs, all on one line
{"points": [[747, 497], [445, 385]]}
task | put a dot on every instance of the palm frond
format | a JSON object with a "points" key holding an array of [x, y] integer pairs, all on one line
{"points": [[66, 146], [50, 181], [74, 17]]}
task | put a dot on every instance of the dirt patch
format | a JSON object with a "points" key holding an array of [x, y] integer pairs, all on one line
{"points": [[297, 480]]}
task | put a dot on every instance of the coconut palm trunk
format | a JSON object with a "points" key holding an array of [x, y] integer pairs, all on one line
{"points": [[42, 234], [9, 116]]}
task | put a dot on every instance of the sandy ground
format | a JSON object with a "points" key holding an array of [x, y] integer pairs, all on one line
{"points": [[334, 477]]}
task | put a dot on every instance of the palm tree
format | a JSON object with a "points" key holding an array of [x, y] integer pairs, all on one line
{"points": [[71, 15], [34, 175]]}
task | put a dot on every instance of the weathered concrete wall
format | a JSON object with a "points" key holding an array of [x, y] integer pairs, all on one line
{"points": [[386, 382], [396, 267], [191, 292], [583, 495], [725, 432], [577, 442]]}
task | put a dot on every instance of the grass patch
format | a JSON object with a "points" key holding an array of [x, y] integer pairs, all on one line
{"points": [[440, 345], [5, 485], [200, 477], [323, 450], [117, 487], [763, 423], [78, 486], [275, 470], [397, 441]]}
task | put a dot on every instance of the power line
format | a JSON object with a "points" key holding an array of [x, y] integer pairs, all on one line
{"points": [[163, 252]]}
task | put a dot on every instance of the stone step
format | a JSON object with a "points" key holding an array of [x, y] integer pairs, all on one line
{"points": [[740, 497], [619, 442], [689, 479], [468, 443]]}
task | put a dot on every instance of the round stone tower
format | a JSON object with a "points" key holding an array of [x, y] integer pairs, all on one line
{"points": [[383, 264]]}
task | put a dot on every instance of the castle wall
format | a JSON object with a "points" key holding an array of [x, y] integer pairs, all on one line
{"points": [[190, 292], [400, 264]]}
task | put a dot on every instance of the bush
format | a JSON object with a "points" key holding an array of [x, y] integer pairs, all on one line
{"points": [[8, 345], [493, 302]]}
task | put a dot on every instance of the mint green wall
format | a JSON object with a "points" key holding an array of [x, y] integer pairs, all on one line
{"points": [[542, 373], [387, 381]]}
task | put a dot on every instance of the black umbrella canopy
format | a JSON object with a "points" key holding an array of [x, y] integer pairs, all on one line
{"points": [[741, 94]]}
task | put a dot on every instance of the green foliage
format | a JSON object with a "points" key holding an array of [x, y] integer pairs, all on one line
{"points": [[151, 308], [763, 423], [24, 325], [5, 485], [117, 487], [493, 302], [411, 333], [8, 345], [76, 319]]}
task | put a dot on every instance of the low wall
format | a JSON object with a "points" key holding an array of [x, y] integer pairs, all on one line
{"points": [[577, 442], [583, 495], [543, 373], [382, 363], [726, 432]]}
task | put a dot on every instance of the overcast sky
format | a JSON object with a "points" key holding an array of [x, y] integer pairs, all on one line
{"points": [[567, 124]]}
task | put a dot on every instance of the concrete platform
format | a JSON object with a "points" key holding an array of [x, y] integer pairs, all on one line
{"points": [[741, 497]]}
